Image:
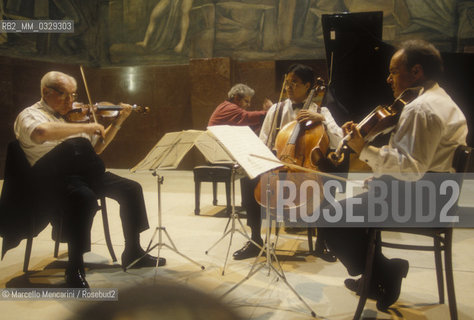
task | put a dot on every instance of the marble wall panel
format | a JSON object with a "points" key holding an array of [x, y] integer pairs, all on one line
{"points": [[211, 79]]}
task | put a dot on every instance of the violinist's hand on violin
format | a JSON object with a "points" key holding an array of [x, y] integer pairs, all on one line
{"points": [[356, 141], [124, 113], [307, 115], [94, 128]]}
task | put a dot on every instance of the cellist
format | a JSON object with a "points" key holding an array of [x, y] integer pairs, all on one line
{"points": [[299, 81]]}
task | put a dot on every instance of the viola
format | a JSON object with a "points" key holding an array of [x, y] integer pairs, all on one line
{"points": [[381, 120], [83, 113]]}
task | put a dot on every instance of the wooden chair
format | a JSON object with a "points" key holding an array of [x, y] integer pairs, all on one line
{"points": [[17, 174], [442, 241], [105, 221]]}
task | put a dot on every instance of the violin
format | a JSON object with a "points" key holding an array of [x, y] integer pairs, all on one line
{"points": [[83, 113], [381, 120]]}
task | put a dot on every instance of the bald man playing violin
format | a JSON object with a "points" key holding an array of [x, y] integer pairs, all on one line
{"points": [[70, 176], [430, 128]]}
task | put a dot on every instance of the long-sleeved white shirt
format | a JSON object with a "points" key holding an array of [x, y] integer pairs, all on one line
{"points": [[428, 132], [333, 131]]}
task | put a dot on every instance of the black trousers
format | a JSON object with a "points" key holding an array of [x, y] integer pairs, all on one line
{"points": [[71, 178], [402, 198], [251, 206], [80, 206]]}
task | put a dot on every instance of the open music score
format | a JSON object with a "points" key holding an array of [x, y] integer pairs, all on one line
{"points": [[241, 142], [219, 145], [170, 150]]}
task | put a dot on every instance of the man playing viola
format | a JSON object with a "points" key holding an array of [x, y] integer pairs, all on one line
{"points": [[429, 130], [70, 177]]}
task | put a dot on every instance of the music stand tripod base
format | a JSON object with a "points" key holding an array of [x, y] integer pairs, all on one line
{"points": [[270, 256], [160, 230], [231, 221]]}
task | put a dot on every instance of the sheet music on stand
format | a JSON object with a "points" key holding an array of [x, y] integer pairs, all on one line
{"points": [[167, 154], [212, 150], [170, 150], [240, 142], [219, 144]]}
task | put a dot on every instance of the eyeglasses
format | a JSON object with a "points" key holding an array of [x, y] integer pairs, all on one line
{"points": [[293, 84], [63, 95]]}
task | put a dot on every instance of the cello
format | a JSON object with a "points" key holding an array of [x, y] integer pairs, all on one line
{"points": [[298, 144]]}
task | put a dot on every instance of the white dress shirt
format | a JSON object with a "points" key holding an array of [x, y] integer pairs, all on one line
{"points": [[428, 132], [333, 131]]}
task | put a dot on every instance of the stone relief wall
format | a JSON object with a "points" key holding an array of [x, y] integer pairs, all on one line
{"points": [[124, 32], [86, 44]]}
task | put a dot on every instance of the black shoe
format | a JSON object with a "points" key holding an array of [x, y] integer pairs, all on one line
{"points": [[392, 283], [145, 261], [249, 250], [325, 254], [75, 278], [294, 230], [353, 285]]}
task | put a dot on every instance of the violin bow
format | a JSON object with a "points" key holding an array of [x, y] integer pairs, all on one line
{"points": [[297, 167], [88, 94], [101, 139], [272, 135]]}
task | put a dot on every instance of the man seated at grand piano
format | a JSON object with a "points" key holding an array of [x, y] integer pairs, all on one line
{"points": [[234, 110]]}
